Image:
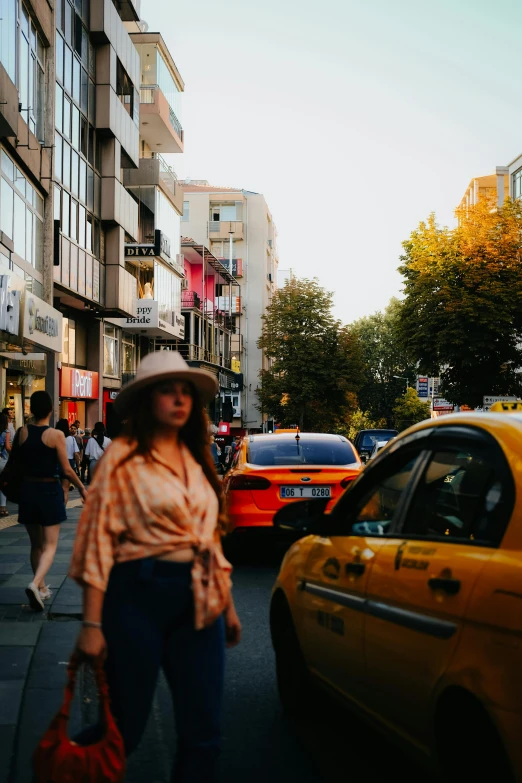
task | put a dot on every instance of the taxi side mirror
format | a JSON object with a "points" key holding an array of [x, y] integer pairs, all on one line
{"points": [[303, 518]]}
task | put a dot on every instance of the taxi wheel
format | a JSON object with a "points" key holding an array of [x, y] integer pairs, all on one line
{"points": [[293, 678], [469, 746]]}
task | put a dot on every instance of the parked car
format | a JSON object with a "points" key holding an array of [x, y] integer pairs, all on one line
{"points": [[365, 440], [406, 599], [377, 446]]}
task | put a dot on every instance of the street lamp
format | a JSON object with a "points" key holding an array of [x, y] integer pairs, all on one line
{"points": [[402, 378]]}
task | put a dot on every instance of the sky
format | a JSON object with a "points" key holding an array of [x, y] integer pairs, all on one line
{"points": [[355, 118]]}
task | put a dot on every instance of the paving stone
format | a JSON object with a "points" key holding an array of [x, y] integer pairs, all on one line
{"points": [[12, 595], [7, 740], [20, 580], [13, 634], [14, 662], [25, 568], [10, 568], [14, 549], [13, 557], [10, 700], [67, 609]]}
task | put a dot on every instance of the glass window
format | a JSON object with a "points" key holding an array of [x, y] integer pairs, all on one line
{"points": [[29, 246], [73, 268], [90, 188], [74, 220], [88, 233], [59, 14], [517, 183], [58, 156], [110, 351], [7, 210], [124, 88], [8, 38], [58, 119], [76, 80], [38, 244], [374, 512], [57, 203], [8, 166], [84, 92], [129, 354], [75, 128], [67, 118], [81, 272], [66, 207], [20, 181], [68, 22], [19, 226], [67, 73], [75, 160], [306, 451], [66, 171], [186, 210], [81, 226], [459, 497], [83, 181]]}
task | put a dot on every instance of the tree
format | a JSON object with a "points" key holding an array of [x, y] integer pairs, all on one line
{"points": [[384, 357], [361, 420], [462, 312], [315, 362], [409, 410]]}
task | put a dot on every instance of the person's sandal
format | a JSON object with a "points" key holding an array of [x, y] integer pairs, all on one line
{"points": [[46, 593], [33, 595], [4, 512]]}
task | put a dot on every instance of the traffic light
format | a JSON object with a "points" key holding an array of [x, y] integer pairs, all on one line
{"points": [[269, 425], [227, 411]]}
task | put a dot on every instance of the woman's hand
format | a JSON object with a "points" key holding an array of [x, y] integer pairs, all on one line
{"points": [[91, 643], [83, 493], [232, 627]]}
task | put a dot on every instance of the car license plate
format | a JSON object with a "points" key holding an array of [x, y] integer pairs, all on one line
{"points": [[305, 492]]}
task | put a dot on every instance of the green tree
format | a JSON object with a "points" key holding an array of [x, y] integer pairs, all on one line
{"points": [[361, 420], [384, 357], [409, 410], [462, 310], [315, 362]]}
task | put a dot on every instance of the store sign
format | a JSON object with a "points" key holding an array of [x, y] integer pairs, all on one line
{"points": [[224, 428], [42, 323], [440, 404], [146, 316], [422, 387], [235, 365], [78, 384], [161, 247], [10, 300]]}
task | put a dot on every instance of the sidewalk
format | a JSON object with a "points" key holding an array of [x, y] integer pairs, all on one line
{"points": [[34, 647]]}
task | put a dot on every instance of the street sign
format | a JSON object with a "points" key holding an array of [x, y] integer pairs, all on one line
{"points": [[440, 404], [506, 407], [490, 400], [422, 387]]}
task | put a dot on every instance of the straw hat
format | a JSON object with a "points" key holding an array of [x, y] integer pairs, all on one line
{"points": [[164, 365]]}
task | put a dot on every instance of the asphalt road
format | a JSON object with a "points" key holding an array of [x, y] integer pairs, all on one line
{"points": [[260, 744]]}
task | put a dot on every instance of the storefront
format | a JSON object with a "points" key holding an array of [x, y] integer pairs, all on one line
{"points": [[78, 387]]}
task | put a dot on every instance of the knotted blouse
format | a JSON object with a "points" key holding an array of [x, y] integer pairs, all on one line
{"points": [[138, 507]]}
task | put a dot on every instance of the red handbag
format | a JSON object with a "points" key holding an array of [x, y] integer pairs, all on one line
{"points": [[59, 760]]}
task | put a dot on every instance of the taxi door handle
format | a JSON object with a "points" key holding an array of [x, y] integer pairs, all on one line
{"points": [[355, 568], [450, 586]]}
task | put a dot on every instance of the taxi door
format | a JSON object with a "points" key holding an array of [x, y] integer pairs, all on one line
{"points": [[337, 572], [420, 584]]}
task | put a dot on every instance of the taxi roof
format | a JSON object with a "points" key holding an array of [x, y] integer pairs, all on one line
{"points": [[292, 436]]}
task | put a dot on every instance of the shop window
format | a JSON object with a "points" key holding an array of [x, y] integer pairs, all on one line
{"points": [[129, 354], [110, 351], [69, 341]]}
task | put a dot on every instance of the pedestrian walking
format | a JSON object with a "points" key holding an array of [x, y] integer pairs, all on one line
{"points": [[9, 412], [63, 426], [5, 448], [84, 469], [157, 589], [96, 446], [216, 454], [42, 508]]}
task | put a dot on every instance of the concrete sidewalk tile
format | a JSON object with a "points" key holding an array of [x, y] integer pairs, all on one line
{"points": [[75, 610], [10, 568], [12, 595], [13, 557], [10, 700], [55, 569], [14, 634], [65, 558], [20, 580], [14, 662], [7, 739], [14, 549]]}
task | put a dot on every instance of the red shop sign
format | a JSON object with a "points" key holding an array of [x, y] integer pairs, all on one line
{"points": [[224, 428], [78, 384]]}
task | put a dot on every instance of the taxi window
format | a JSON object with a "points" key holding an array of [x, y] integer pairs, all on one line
{"points": [[460, 496], [374, 513]]}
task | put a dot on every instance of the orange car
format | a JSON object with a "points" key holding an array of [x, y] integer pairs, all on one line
{"points": [[270, 471]]}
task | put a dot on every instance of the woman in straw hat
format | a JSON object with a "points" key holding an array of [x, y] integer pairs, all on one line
{"points": [[157, 589]]}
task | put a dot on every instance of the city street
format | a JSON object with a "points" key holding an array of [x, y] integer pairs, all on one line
{"points": [[260, 743]]}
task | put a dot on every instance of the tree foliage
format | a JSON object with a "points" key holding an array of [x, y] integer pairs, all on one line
{"points": [[315, 362], [384, 356], [462, 312], [362, 420], [409, 410]]}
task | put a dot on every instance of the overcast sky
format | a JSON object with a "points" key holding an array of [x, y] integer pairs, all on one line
{"points": [[355, 119]]}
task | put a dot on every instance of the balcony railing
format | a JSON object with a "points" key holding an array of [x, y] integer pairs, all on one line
{"points": [[195, 353], [190, 299], [148, 95], [167, 174]]}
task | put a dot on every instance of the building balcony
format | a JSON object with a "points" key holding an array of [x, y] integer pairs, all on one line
{"points": [[106, 27], [196, 353], [159, 126], [118, 206], [221, 229], [156, 171], [113, 118], [120, 290], [8, 105], [190, 300], [224, 304]]}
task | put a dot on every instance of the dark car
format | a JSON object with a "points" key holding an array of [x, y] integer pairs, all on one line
{"points": [[365, 440]]}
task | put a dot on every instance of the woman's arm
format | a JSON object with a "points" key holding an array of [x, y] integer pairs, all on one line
{"points": [[8, 445], [91, 641], [68, 472]]}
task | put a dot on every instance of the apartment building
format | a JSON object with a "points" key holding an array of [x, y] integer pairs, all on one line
{"points": [[90, 210], [237, 227], [493, 186]]}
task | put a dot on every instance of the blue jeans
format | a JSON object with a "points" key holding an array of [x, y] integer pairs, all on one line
{"points": [[148, 623]]}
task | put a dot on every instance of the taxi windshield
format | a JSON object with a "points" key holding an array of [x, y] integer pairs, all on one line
{"points": [[302, 452]]}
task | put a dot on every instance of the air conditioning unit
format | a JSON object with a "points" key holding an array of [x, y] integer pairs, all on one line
{"points": [[180, 259], [184, 284]]}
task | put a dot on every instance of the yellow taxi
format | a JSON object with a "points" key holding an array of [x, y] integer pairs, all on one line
{"points": [[406, 599]]}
